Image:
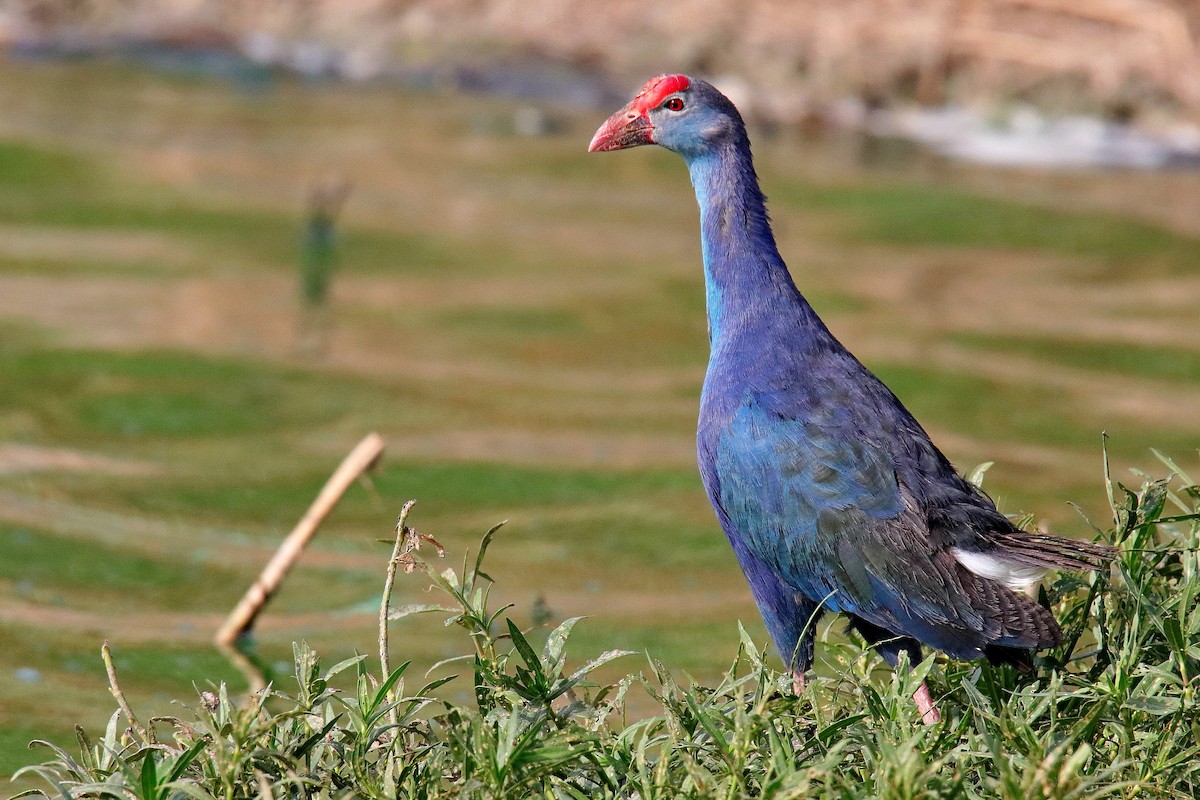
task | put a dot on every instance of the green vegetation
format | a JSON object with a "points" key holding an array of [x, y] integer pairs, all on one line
{"points": [[1108, 357], [1111, 713], [47, 567], [942, 217], [969, 403], [26, 167], [148, 395]]}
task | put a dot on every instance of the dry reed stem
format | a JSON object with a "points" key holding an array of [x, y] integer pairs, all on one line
{"points": [[385, 604], [115, 688], [407, 541], [362, 458]]}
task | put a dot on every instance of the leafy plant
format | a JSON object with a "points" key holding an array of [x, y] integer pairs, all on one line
{"points": [[1111, 713]]}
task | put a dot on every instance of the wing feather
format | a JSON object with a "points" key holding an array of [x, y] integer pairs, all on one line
{"points": [[820, 501]]}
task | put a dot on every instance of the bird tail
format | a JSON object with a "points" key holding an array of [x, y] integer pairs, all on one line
{"points": [[1026, 626], [1056, 552], [1011, 620]]}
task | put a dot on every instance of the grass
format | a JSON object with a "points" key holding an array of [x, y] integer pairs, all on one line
{"points": [[464, 487], [971, 403], [26, 167], [47, 568], [57, 570], [524, 324], [1107, 357], [1109, 713], [909, 215], [149, 395]]}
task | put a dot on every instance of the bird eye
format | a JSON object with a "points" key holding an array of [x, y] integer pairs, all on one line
{"points": [[674, 104]]}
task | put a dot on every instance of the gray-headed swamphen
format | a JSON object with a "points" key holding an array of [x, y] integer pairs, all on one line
{"points": [[832, 495]]}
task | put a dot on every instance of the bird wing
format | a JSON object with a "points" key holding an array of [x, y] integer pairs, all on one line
{"points": [[819, 497]]}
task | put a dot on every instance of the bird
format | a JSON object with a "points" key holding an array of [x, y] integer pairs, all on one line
{"points": [[833, 497]]}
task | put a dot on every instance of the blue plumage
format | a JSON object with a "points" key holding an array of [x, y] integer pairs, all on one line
{"points": [[831, 494]]}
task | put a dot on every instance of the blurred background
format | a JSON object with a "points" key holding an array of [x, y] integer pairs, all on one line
{"points": [[236, 237]]}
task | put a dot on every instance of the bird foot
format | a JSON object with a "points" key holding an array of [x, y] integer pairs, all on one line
{"points": [[924, 700], [929, 713]]}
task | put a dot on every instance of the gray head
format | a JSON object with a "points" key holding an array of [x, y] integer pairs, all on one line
{"points": [[684, 115]]}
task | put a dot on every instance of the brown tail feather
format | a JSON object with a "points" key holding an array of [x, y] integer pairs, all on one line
{"points": [[1043, 550], [1012, 620]]}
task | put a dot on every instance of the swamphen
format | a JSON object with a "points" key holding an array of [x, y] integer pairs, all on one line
{"points": [[830, 492]]}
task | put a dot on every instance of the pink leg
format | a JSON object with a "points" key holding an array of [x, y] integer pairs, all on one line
{"points": [[929, 713]]}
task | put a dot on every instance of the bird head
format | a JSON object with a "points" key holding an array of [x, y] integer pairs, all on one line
{"points": [[682, 114]]}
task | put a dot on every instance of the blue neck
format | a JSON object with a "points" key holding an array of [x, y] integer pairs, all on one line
{"points": [[748, 287]]}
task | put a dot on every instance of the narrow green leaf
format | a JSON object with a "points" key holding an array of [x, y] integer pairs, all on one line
{"points": [[48, 776], [63, 756], [301, 750], [382, 692], [556, 642], [185, 759], [149, 777], [1159, 706], [342, 666], [451, 660], [598, 661], [522, 644], [400, 612], [483, 547], [831, 733], [191, 790]]}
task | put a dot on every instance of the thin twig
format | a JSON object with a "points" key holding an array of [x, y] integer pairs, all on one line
{"points": [[401, 547], [115, 688], [407, 540]]}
